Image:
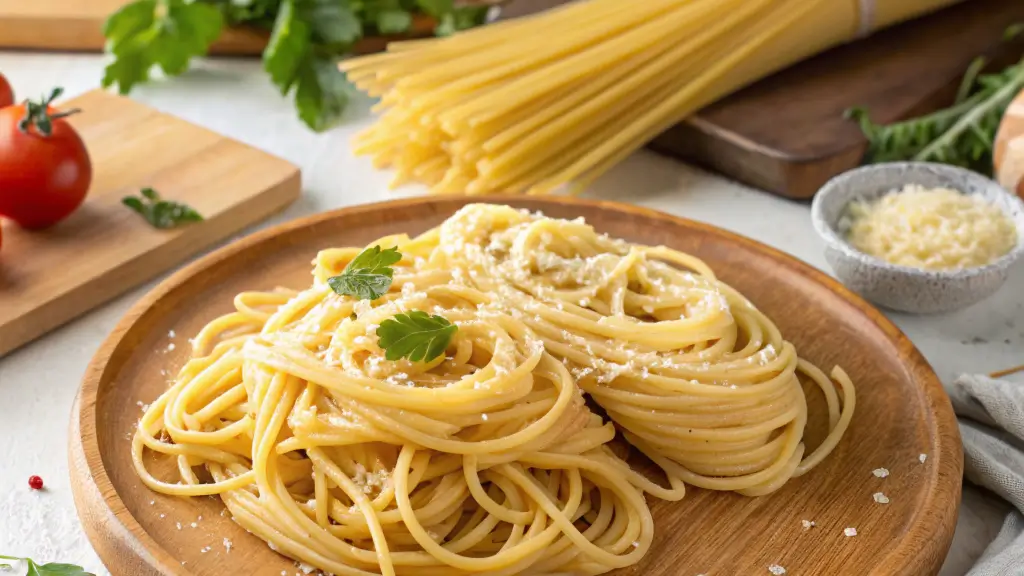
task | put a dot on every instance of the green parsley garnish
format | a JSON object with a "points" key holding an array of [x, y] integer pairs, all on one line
{"points": [[162, 214], [51, 569], [415, 336], [368, 276]]}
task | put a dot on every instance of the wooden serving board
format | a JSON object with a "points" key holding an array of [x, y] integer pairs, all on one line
{"points": [[51, 276], [901, 412]]}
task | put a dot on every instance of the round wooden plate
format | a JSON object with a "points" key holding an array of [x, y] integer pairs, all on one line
{"points": [[902, 412]]}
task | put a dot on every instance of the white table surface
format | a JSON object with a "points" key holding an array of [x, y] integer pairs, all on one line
{"points": [[38, 382]]}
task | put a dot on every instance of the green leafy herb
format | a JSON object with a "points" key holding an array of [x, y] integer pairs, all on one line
{"points": [[162, 214], [961, 135], [368, 276], [51, 569], [415, 336], [393, 21], [164, 33], [461, 18], [307, 38]]}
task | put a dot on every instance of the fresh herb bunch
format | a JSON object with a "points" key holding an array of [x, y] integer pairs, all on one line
{"points": [[307, 38], [962, 135]]}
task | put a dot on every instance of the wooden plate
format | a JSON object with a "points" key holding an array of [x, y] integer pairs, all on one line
{"points": [[902, 412]]}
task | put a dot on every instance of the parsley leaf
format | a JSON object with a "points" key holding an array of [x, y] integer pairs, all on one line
{"points": [[147, 33], [162, 214], [415, 336], [333, 22], [51, 569], [368, 276], [321, 93], [393, 21], [289, 43], [291, 58], [461, 18]]}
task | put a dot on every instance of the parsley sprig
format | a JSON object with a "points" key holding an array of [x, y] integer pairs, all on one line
{"points": [[307, 38], [368, 276], [162, 214], [415, 335], [51, 569]]}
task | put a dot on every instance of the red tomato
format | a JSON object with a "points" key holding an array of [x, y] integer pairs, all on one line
{"points": [[6, 94], [43, 177]]}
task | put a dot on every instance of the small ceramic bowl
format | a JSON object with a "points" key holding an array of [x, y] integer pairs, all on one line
{"points": [[901, 287]]}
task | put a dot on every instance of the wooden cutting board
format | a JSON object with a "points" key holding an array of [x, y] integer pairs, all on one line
{"points": [[77, 25], [49, 277], [901, 412]]}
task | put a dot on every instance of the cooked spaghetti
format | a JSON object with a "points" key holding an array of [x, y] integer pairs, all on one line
{"points": [[486, 458]]}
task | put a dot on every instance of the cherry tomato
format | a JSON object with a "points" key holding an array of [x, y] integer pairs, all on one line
{"points": [[45, 169], [6, 94]]}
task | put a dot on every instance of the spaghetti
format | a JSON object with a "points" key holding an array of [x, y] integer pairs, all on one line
{"points": [[533, 104], [486, 459]]}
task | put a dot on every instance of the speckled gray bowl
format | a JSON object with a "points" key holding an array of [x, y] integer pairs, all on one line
{"points": [[900, 287]]}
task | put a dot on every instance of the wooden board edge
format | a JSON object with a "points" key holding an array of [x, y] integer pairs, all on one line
{"points": [[133, 272], [84, 35], [921, 551]]}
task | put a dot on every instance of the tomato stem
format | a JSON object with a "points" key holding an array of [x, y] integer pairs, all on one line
{"points": [[37, 114]]}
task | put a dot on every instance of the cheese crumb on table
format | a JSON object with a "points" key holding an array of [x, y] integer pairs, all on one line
{"points": [[880, 472], [777, 570], [922, 458], [880, 498], [850, 532], [807, 524]]}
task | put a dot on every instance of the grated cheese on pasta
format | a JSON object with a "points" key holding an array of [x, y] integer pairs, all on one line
{"points": [[931, 229]]}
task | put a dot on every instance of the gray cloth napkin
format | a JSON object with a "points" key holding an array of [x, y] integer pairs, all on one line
{"points": [[991, 414]]}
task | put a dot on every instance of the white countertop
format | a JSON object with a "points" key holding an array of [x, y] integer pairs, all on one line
{"points": [[39, 381]]}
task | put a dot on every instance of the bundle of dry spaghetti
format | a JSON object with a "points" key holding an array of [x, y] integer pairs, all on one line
{"points": [[532, 104]]}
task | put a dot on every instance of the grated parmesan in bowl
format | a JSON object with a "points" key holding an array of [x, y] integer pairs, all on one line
{"points": [[919, 237]]}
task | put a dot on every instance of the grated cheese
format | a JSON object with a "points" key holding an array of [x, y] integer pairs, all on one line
{"points": [[931, 229]]}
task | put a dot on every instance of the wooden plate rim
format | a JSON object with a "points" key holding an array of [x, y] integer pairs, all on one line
{"points": [[923, 541]]}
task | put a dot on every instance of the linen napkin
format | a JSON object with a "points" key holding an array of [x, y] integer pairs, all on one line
{"points": [[991, 415]]}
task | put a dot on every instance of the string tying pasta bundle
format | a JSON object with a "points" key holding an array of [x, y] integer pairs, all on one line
{"points": [[530, 105], [701, 381], [485, 459]]}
